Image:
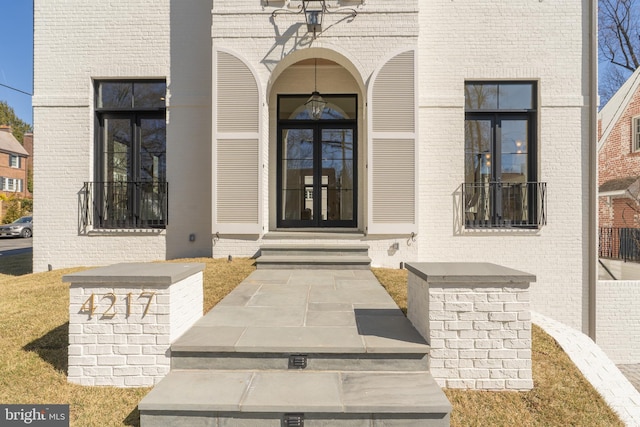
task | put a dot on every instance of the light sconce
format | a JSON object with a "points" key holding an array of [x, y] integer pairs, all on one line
{"points": [[313, 14], [314, 11]]}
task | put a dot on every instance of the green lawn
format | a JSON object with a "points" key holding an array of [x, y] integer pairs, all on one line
{"points": [[33, 360]]}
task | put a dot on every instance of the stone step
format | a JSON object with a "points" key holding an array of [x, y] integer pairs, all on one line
{"points": [[330, 262], [244, 398], [404, 362], [314, 256], [314, 250]]}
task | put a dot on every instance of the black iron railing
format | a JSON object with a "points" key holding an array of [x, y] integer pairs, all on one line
{"points": [[619, 243], [124, 204], [504, 204]]}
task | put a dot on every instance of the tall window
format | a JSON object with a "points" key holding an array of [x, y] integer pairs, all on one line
{"points": [[130, 189], [14, 161], [635, 131], [500, 154]]}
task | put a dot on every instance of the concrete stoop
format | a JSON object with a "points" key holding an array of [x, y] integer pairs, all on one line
{"points": [[324, 256], [300, 348]]}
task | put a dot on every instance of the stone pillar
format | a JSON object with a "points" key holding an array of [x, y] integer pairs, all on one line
{"points": [[477, 320], [123, 318]]}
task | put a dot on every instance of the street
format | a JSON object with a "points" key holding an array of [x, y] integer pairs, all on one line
{"points": [[15, 246]]}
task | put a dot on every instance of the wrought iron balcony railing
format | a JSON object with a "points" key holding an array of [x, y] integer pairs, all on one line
{"points": [[619, 243], [504, 204], [124, 204]]}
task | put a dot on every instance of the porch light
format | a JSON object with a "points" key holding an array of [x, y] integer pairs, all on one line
{"points": [[314, 11], [315, 105], [313, 14]]}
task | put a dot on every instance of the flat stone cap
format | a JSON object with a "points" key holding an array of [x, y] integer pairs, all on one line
{"points": [[142, 273], [468, 272]]}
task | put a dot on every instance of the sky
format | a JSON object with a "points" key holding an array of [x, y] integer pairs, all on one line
{"points": [[16, 56]]}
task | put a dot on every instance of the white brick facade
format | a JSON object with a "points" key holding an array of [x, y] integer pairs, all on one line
{"points": [[618, 320], [454, 42]]}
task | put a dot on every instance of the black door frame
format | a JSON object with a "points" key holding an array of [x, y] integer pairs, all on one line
{"points": [[317, 126]]}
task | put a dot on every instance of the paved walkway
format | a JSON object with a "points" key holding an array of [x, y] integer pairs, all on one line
{"points": [[597, 368]]}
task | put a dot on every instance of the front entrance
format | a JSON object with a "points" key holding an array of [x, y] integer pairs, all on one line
{"points": [[317, 163]]}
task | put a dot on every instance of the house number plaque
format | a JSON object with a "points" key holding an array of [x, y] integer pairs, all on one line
{"points": [[106, 304]]}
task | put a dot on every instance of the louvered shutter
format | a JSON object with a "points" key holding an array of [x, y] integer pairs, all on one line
{"points": [[236, 148], [392, 166]]}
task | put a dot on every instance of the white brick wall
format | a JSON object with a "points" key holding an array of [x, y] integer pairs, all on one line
{"points": [[119, 345], [479, 331], [618, 320], [75, 42]]}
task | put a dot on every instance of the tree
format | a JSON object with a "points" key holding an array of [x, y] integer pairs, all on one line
{"points": [[8, 117], [618, 43]]}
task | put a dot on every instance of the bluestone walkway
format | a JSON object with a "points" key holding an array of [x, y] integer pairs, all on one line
{"points": [[597, 368]]}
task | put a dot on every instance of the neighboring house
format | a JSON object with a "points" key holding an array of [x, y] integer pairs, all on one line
{"points": [[14, 164], [451, 132], [619, 157]]}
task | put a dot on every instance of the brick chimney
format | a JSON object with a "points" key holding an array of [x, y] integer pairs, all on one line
{"points": [[27, 142]]}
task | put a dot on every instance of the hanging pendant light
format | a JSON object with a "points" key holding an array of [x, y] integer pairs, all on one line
{"points": [[315, 105]]}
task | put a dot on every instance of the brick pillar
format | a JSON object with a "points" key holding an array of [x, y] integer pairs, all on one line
{"points": [[123, 319], [477, 320]]}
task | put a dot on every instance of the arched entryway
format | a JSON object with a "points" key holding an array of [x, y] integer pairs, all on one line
{"points": [[316, 169]]}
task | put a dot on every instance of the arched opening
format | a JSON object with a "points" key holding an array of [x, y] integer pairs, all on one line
{"points": [[315, 171]]}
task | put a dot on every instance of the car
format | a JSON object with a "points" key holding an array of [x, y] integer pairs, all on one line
{"points": [[22, 227]]}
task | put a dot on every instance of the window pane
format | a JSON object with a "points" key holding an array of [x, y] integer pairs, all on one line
{"points": [[481, 96], [149, 94], [297, 174], [337, 174], [517, 96], [117, 149], [338, 107], [113, 95], [514, 151], [478, 138]]}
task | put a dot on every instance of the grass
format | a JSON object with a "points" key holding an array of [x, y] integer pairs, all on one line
{"points": [[33, 361]]}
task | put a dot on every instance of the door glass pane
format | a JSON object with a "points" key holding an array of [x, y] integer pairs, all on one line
{"points": [[337, 175], [514, 174], [478, 166], [297, 174], [152, 174], [117, 170], [117, 153]]}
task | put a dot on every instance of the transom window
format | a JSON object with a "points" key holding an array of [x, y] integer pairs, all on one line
{"points": [[130, 190], [501, 188]]}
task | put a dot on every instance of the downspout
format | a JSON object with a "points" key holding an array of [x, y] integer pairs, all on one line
{"points": [[593, 168]]}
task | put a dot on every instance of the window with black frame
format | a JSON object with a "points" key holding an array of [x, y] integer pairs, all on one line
{"points": [[130, 190], [501, 188]]}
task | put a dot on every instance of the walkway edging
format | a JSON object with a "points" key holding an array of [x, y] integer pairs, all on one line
{"points": [[597, 368]]}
